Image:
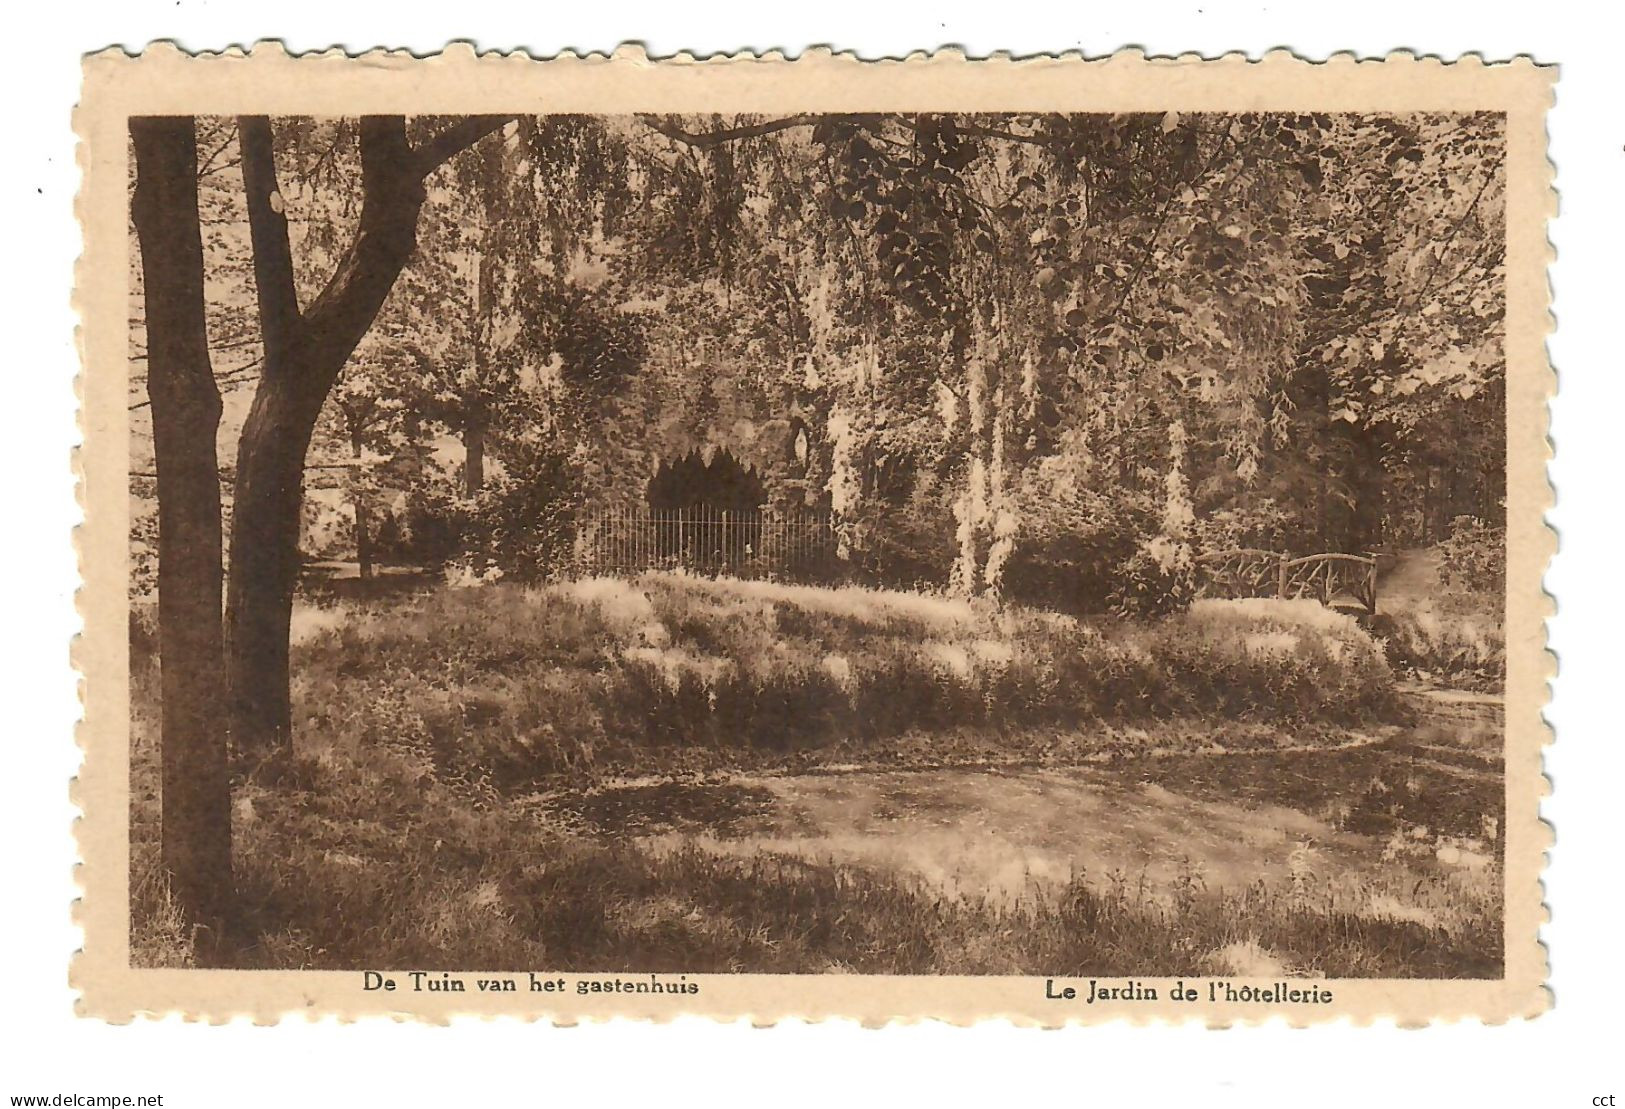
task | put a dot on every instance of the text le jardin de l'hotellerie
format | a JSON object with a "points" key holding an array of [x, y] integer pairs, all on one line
{"points": [[1215, 992]]}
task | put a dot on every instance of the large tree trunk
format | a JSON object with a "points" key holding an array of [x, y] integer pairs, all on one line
{"points": [[304, 353], [196, 805], [264, 571]]}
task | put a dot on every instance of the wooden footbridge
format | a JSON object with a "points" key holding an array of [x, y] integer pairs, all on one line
{"points": [[1342, 581]]}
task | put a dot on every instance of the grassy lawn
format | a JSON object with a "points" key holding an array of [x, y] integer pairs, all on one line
{"points": [[570, 778]]}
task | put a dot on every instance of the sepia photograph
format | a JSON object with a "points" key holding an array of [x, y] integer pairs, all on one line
{"points": [[918, 543], [873, 554]]}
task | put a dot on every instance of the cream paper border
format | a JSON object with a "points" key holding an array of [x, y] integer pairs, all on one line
{"points": [[269, 81]]}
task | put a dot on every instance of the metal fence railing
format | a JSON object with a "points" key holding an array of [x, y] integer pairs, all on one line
{"points": [[707, 540]]}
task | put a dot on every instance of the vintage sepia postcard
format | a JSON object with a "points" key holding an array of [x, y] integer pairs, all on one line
{"points": [[1055, 540]]}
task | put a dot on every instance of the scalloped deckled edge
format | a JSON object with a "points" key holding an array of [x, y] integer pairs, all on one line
{"points": [[114, 992]]}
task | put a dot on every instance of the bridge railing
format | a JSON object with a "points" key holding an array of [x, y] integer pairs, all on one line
{"points": [[1336, 580]]}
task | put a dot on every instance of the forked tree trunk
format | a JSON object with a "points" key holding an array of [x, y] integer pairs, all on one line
{"points": [[304, 353], [196, 802]]}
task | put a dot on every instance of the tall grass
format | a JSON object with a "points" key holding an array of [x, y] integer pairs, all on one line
{"points": [[520, 686], [1448, 646]]}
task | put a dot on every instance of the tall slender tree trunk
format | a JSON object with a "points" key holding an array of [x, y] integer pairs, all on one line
{"points": [[363, 522], [196, 805], [473, 457], [1433, 508], [304, 352], [1366, 482], [473, 409]]}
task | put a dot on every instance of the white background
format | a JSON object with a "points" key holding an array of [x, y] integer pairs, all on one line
{"points": [[1565, 1058]]}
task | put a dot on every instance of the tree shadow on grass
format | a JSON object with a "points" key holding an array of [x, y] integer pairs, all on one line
{"points": [[725, 809]]}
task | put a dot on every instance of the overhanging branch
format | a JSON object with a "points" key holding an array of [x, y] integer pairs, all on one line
{"points": [[707, 139], [461, 135]]}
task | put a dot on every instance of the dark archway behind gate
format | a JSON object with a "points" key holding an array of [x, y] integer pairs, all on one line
{"points": [[708, 516], [722, 483], [707, 512]]}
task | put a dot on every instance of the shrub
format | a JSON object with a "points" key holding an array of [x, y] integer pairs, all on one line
{"points": [[1074, 547], [1448, 647], [523, 523], [1297, 656], [1153, 583], [907, 545], [1262, 524], [427, 531], [1473, 559], [580, 679]]}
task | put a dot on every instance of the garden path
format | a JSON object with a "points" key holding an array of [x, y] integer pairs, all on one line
{"points": [[1413, 579], [1329, 814]]}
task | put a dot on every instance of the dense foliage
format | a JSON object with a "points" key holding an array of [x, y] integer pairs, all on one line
{"points": [[1045, 356]]}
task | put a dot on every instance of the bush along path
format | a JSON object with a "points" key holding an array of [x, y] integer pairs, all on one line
{"points": [[1441, 616]]}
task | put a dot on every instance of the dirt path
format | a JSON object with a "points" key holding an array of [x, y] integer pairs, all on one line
{"points": [[994, 832], [1222, 820], [1334, 813]]}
